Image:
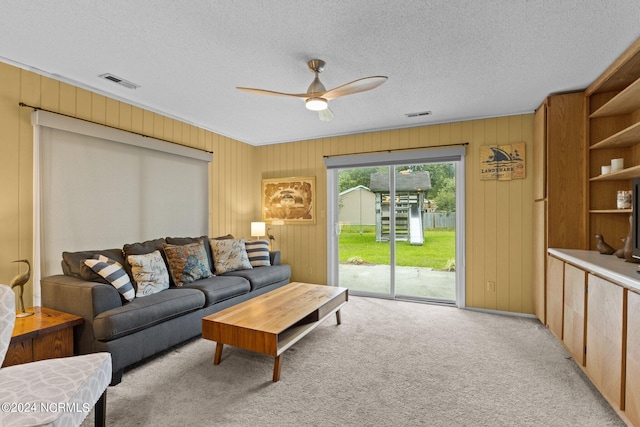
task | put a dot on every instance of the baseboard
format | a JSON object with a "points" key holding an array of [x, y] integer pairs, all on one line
{"points": [[503, 313]]}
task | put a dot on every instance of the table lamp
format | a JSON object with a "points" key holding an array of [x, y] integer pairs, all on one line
{"points": [[258, 229]]}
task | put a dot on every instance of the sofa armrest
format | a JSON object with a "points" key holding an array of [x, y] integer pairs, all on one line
{"points": [[274, 257], [82, 298]]}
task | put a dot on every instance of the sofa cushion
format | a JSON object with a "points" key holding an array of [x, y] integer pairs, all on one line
{"points": [[145, 247], [187, 240], [141, 248], [149, 272], [187, 263], [114, 273], [225, 237], [73, 263], [260, 277], [220, 288], [229, 255], [258, 252], [142, 313]]}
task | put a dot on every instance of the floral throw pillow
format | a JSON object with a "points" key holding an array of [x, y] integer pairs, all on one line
{"points": [[187, 263], [229, 255], [149, 272]]}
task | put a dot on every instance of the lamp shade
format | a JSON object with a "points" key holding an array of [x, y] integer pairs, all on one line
{"points": [[316, 104], [258, 229]]}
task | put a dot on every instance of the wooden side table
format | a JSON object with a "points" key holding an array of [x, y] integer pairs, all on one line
{"points": [[45, 335]]}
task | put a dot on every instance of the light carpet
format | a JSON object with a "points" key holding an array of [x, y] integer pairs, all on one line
{"points": [[390, 363]]}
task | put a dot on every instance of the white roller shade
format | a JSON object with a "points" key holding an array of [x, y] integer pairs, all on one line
{"points": [[97, 193]]}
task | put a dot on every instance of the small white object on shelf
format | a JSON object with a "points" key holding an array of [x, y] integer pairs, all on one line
{"points": [[617, 165]]}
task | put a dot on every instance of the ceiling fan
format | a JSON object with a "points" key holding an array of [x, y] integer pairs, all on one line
{"points": [[317, 97]]}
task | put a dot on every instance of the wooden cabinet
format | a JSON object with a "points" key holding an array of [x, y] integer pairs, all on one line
{"points": [[555, 295], [632, 375], [559, 185], [601, 324], [604, 357], [560, 179], [613, 102], [574, 312], [540, 153], [540, 259]]}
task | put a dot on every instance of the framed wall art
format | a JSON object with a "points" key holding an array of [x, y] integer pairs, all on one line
{"points": [[502, 162], [292, 200]]}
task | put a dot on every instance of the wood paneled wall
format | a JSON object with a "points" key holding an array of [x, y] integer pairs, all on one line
{"points": [[234, 181], [499, 214]]}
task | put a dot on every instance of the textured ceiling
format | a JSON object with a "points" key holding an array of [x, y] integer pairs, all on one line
{"points": [[459, 59]]}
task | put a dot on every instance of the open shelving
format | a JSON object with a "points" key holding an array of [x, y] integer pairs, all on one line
{"points": [[613, 113], [625, 138], [627, 173], [625, 102]]}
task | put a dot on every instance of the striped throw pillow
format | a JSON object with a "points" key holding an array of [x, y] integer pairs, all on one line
{"points": [[258, 252], [113, 272]]}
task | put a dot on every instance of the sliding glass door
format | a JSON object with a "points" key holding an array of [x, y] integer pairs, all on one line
{"points": [[364, 257], [395, 230]]}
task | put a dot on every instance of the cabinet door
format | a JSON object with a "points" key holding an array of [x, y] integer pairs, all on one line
{"points": [[604, 337], [632, 388], [566, 172], [539, 259], [540, 153], [575, 281], [555, 291]]}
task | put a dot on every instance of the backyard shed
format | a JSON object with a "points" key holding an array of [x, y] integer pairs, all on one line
{"points": [[357, 206]]}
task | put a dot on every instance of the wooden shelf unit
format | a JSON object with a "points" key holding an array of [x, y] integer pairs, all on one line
{"points": [[625, 138], [626, 173], [611, 211], [625, 102], [613, 131]]}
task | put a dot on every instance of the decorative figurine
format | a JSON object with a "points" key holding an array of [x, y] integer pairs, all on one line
{"points": [[271, 239], [620, 252], [628, 244], [602, 246], [20, 281]]}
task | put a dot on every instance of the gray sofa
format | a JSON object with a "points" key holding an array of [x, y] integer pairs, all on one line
{"points": [[132, 331]]}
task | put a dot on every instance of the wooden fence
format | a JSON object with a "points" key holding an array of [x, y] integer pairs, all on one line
{"points": [[438, 220]]}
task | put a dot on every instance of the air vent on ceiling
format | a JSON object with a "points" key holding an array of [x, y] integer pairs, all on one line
{"points": [[121, 82], [418, 114]]}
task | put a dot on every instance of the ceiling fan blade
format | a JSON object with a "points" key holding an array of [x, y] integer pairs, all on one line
{"points": [[360, 85], [272, 92], [325, 115]]}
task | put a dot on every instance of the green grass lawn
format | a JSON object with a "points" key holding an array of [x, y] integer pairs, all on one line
{"points": [[437, 252]]}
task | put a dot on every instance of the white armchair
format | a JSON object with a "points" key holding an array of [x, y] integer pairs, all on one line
{"points": [[53, 392]]}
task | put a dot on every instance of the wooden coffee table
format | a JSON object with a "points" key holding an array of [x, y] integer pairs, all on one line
{"points": [[273, 322]]}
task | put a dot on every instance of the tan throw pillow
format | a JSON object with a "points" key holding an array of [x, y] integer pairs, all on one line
{"points": [[187, 263], [149, 272], [229, 255]]}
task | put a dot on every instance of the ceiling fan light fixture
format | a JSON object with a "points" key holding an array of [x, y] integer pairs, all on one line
{"points": [[316, 104], [317, 97]]}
